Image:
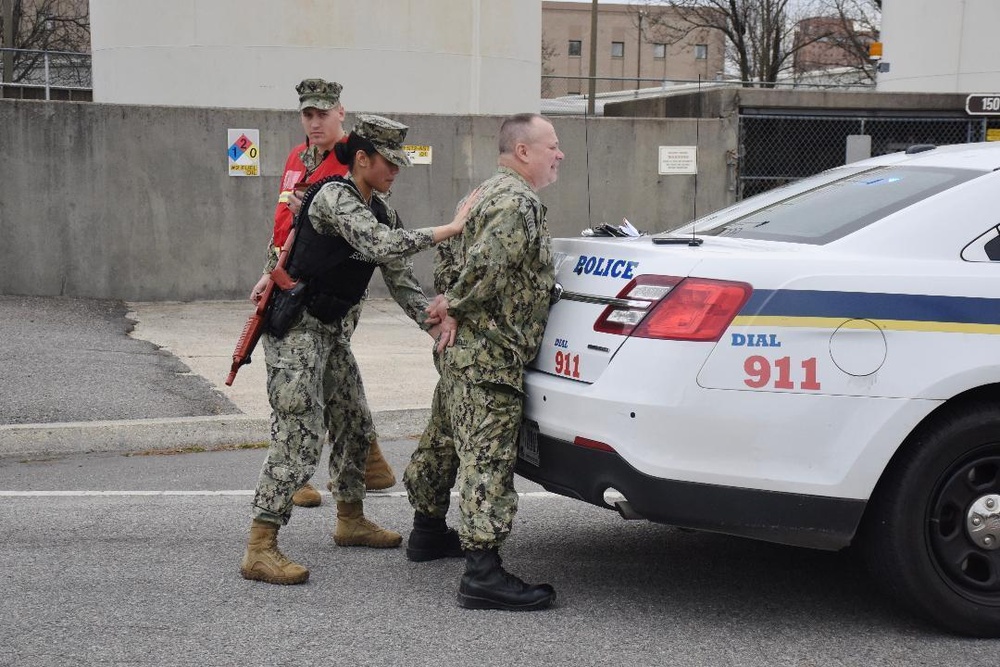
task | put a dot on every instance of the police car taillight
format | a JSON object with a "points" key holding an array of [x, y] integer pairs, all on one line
{"points": [[696, 309], [634, 303]]}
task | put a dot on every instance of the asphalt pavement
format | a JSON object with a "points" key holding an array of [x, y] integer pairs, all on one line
{"points": [[84, 375], [133, 560]]}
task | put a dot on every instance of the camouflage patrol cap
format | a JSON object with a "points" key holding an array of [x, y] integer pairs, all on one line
{"points": [[318, 94], [386, 136]]}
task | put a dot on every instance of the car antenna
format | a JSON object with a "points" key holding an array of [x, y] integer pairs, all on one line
{"points": [[697, 142], [694, 241], [586, 145]]}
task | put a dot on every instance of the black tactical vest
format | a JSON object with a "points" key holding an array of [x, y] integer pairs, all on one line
{"points": [[336, 274]]}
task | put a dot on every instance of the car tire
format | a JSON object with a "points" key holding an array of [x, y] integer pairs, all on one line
{"points": [[918, 536]]}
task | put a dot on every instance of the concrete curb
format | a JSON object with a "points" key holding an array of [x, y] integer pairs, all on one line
{"points": [[134, 435]]}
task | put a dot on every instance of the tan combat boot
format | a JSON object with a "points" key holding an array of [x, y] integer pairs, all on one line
{"points": [[378, 474], [354, 530], [262, 560], [307, 496]]}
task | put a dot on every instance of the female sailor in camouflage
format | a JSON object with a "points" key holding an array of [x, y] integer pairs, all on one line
{"points": [[321, 114], [312, 385]]}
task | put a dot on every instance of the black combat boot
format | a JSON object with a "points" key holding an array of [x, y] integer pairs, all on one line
{"points": [[486, 585], [431, 538]]}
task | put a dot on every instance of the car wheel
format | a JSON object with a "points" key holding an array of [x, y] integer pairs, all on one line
{"points": [[931, 534]]}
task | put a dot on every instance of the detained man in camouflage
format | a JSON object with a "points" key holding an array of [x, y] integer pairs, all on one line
{"points": [[499, 293], [434, 464], [348, 231]]}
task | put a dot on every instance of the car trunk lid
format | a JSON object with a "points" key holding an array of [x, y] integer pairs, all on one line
{"points": [[592, 274]]}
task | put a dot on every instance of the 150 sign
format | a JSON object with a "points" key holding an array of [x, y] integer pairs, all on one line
{"points": [[983, 104]]}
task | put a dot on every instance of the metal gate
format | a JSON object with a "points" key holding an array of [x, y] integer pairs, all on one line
{"points": [[776, 148]]}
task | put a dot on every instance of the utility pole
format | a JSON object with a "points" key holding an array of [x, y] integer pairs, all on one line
{"points": [[8, 40], [592, 87], [638, 53]]}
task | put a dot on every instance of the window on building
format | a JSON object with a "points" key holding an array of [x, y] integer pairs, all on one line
{"points": [[659, 51], [617, 49], [701, 51], [575, 47]]}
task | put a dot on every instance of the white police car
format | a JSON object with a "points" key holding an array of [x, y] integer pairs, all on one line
{"points": [[818, 365]]}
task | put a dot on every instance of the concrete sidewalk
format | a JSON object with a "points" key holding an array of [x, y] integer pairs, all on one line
{"points": [[393, 354]]}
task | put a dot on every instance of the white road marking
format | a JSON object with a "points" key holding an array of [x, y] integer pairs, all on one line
{"points": [[233, 492]]}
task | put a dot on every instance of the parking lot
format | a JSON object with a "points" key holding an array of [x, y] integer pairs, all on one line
{"points": [[133, 560]]}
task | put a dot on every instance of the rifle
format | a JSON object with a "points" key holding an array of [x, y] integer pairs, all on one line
{"points": [[254, 327], [279, 277]]}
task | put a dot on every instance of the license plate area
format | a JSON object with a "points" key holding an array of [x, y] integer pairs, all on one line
{"points": [[527, 446]]}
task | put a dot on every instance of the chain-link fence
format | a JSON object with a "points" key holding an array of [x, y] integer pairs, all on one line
{"points": [[776, 149], [35, 74]]}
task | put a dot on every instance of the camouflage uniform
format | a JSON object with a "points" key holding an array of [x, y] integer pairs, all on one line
{"points": [[313, 382], [501, 277], [434, 463]]}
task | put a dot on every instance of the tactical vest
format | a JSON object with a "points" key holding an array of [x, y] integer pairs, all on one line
{"points": [[335, 273]]}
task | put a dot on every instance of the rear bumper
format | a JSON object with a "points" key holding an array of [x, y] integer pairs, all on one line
{"points": [[788, 518]]}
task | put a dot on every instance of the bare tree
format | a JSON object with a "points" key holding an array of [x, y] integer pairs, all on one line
{"points": [[36, 26], [759, 34], [548, 53], [854, 25]]}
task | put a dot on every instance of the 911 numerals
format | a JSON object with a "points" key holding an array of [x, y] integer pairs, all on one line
{"points": [[759, 372], [568, 364]]}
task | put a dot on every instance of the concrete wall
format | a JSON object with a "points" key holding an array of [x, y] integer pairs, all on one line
{"points": [[940, 46], [726, 102], [417, 56], [135, 202]]}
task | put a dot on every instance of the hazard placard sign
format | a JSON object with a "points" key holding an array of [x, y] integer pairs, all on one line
{"points": [[244, 152]]}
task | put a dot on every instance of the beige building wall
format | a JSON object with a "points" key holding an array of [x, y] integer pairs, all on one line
{"points": [[940, 46], [644, 56], [420, 56]]}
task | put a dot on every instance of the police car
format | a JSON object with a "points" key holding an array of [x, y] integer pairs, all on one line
{"points": [[818, 365]]}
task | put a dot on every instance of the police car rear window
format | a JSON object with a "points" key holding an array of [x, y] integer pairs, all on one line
{"points": [[837, 208]]}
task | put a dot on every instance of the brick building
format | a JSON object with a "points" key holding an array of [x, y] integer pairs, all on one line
{"points": [[828, 45], [628, 56]]}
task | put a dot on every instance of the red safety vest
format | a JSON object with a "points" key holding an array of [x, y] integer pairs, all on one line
{"points": [[295, 172]]}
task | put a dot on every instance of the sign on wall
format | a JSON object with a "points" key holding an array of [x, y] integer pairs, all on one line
{"points": [[244, 152], [983, 104], [419, 154], [678, 160]]}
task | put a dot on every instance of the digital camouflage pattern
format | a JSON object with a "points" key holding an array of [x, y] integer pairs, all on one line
{"points": [[314, 387], [497, 276], [445, 268], [313, 382], [312, 157], [433, 466], [403, 285], [386, 135], [485, 421], [318, 94], [504, 276], [338, 210]]}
